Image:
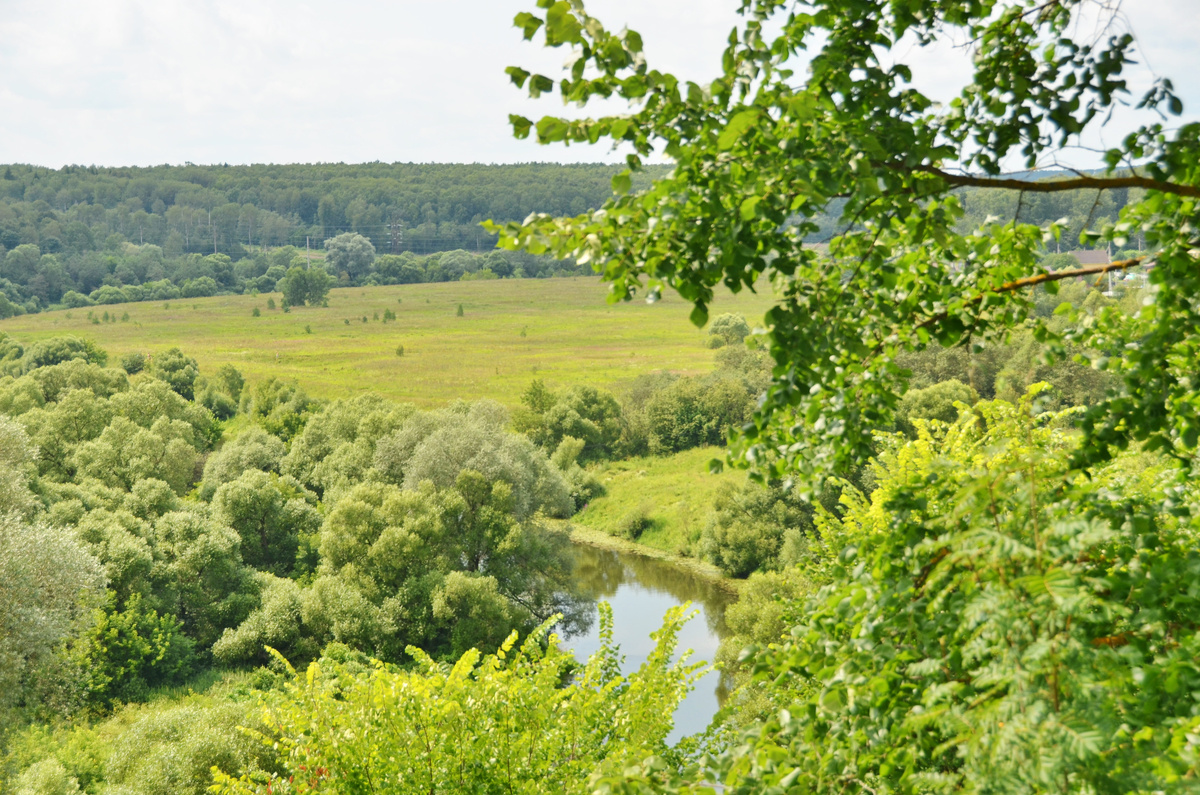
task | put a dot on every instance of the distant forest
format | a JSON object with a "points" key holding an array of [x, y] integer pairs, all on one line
{"points": [[80, 235]]}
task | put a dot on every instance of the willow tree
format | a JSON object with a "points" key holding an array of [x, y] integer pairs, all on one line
{"points": [[766, 147], [1014, 609]]}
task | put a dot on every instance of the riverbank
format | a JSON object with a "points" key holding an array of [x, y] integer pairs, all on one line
{"points": [[581, 534]]}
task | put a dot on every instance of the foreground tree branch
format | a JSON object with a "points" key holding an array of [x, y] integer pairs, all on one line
{"points": [[1041, 278], [1058, 185]]}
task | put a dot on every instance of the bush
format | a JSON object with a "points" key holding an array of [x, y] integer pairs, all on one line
{"points": [[728, 329], [693, 412], [995, 622], [133, 363], [173, 751], [635, 522], [749, 527], [132, 650], [178, 370], [61, 349], [202, 287], [220, 404], [109, 295], [47, 777], [74, 300], [517, 729], [935, 402]]}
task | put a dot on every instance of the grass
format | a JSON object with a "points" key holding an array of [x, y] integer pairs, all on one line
{"points": [[673, 493], [511, 331]]}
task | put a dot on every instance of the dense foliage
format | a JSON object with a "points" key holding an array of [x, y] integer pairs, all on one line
{"points": [[1011, 608], [362, 522], [500, 723]]}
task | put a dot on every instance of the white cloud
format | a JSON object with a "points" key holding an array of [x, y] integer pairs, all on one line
{"points": [[142, 82]]}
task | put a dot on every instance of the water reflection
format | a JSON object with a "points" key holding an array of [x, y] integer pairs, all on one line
{"points": [[641, 589]]}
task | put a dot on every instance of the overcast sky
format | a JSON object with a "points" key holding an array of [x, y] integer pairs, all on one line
{"points": [[140, 82]]}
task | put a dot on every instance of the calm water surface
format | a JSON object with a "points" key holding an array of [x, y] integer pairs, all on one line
{"points": [[641, 590]]}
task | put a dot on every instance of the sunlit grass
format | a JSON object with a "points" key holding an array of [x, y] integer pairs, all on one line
{"points": [[674, 493], [511, 331]]}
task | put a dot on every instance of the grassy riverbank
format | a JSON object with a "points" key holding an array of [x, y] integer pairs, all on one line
{"points": [[669, 497]]}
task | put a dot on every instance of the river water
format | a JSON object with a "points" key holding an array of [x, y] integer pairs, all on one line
{"points": [[641, 589]]}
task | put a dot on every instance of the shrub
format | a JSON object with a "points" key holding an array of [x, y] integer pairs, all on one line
{"points": [[61, 349], [995, 622], [936, 402], [255, 312], [520, 729], [74, 300], [131, 650], [729, 328], [749, 526], [635, 522], [133, 363], [201, 287], [178, 370]]}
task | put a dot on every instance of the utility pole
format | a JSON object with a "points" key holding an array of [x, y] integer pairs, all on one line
{"points": [[307, 253]]}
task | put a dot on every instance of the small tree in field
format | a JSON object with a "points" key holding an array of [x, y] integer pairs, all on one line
{"points": [[305, 286]]}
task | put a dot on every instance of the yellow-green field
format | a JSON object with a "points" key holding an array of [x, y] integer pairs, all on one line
{"points": [[511, 331], [674, 493]]}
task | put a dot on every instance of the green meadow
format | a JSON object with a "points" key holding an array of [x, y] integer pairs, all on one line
{"points": [[669, 497], [561, 330]]}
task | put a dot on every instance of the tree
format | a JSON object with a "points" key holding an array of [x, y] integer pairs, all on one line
{"points": [[728, 329], [49, 586], [1027, 653], [1004, 614], [766, 149], [62, 349], [350, 253], [178, 370], [270, 515], [302, 286]]}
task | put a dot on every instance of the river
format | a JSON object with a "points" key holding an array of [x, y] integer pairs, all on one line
{"points": [[641, 589]]}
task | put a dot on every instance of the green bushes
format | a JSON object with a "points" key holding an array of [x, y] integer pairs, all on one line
{"points": [[132, 650], [936, 402], [133, 363], [727, 329], [634, 523], [995, 620], [751, 526], [498, 723]]}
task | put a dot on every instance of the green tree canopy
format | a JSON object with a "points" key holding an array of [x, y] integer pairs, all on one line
{"points": [[768, 146], [350, 253]]}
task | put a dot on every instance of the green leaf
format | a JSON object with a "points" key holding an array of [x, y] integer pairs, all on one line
{"points": [[749, 206], [699, 315], [539, 85], [621, 182], [740, 122], [528, 24], [520, 125], [517, 75]]}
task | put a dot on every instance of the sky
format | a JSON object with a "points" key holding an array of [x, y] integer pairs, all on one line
{"points": [[144, 82]]}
